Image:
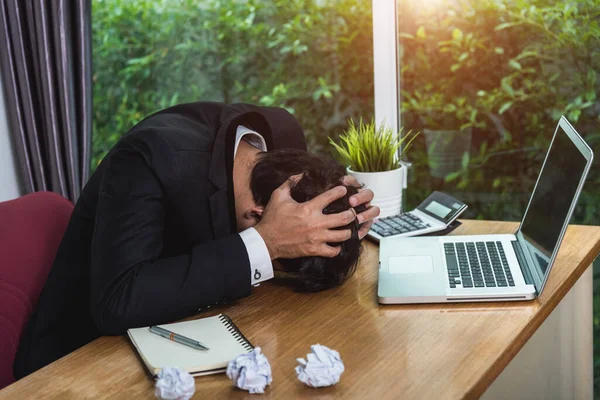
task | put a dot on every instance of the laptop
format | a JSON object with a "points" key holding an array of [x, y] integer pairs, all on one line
{"points": [[496, 267]]}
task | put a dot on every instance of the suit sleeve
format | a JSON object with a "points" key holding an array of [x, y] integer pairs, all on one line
{"points": [[131, 284]]}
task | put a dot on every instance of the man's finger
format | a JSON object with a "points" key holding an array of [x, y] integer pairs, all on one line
{"points": [[284, 189], [340, 219], [296, 178], [362, 197], [364, 229], [335, 236], [349, 180], [368, 215], [328, 197], [329, 251]]}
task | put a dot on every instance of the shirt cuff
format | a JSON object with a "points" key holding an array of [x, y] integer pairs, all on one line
{"points": [[261, 267]]}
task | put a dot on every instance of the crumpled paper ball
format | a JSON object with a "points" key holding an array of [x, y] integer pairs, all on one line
{"points": [[250, 371], [322, 367], [174, 384]]}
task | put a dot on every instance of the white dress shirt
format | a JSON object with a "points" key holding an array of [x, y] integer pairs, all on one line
{"points": [[261, 267]]}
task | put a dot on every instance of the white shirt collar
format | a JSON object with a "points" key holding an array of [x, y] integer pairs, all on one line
{"points": [[251, 137]]}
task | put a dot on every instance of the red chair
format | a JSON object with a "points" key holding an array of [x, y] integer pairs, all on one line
{"points": [[31, 228]]}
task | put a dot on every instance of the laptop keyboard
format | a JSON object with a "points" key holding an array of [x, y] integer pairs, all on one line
{"points": [[477, 264], [398, 224]]}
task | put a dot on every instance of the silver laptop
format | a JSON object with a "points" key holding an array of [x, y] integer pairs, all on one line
{"points": [[492, 267]]}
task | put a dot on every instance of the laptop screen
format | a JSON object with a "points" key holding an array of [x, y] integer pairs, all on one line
{"points": [[551, 201]]}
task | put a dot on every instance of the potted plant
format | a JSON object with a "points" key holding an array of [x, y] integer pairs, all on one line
{"points": [[448, 123], [372, 155]]}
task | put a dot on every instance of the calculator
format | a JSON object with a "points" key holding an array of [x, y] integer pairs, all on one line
{"points": [[434, 214]]}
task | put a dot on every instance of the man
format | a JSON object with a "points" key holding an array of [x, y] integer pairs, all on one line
{"points": [[164, 228]]}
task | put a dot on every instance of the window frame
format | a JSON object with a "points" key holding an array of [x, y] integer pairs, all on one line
{"points": [[385, 64]]}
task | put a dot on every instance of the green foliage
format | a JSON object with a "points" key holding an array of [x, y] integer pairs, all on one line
{"points": [[438, 112], [509, 69], [371, 148], [314, 58]]}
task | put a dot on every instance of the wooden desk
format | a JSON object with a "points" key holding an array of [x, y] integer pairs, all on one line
{"points": [[402, 351]]}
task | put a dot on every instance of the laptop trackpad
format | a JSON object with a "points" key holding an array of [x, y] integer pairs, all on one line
{"points": [[410, 265]]}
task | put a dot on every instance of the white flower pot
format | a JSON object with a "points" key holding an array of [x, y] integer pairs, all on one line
{"points": [[387, 187]]}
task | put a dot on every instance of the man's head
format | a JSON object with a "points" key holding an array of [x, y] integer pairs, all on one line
{"points": [[319, 174]]}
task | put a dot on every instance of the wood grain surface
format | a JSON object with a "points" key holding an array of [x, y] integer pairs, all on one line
{"points": [[433, 351]]}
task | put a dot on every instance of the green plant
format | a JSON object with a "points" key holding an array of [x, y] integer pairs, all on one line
{"points": [[371, 148], [516, 66], [314, 58], [438, 111]]}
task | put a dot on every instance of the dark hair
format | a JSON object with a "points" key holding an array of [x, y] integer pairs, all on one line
{"points": [[319, 175]]}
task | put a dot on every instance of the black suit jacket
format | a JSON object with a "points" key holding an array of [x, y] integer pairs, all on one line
{"points": [[153, 235]]}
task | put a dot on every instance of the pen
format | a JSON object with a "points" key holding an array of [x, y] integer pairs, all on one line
{"points": [[178, 338]]}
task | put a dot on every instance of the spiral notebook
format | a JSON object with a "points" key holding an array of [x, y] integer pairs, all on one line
{"points": [[218, 333]]}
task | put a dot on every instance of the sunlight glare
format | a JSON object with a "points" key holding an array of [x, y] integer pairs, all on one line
{"points": [[435, 4]]}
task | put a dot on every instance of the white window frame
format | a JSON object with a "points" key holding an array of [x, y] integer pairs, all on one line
{"points": [[385, 63]]}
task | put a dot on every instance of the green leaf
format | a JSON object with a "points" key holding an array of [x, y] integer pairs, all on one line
{"points": [[554, 77], [421, 32], [506, 25], [527, 53], [505, 107], [574, 115], [591, 75], [465, 160], [455, 67], [590, 95], [499, 50], [507, 88], [452, 176], [515, 64], [457, 34], [463, 57]]}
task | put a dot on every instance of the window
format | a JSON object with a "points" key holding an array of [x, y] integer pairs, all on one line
{"points": [[485, 82], [312, 57]]}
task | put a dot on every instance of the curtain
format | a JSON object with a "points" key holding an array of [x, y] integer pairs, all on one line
{"points": [[45, 62]]}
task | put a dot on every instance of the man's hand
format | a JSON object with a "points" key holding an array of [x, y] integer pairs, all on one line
{"points": [[291, 229], [364, 196]]}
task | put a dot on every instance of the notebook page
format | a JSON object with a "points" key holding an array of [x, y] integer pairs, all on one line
{"points": [[159, 352]]}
